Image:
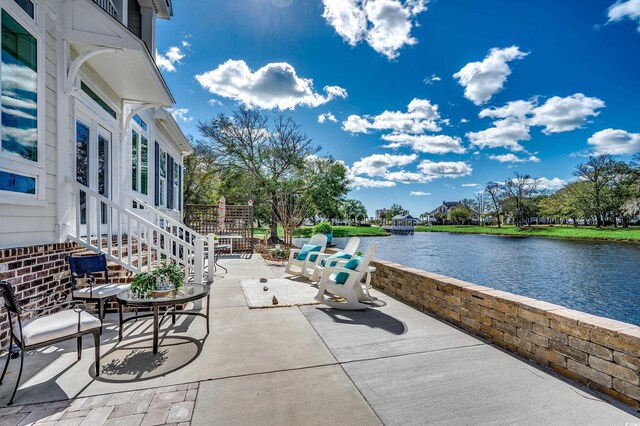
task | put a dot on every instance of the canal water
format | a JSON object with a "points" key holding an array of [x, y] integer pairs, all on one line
{"points": [[602, 278]]}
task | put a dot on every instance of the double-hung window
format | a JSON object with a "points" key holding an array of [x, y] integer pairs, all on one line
{"points": [[21, 100], [163, 177], [139, 156]]}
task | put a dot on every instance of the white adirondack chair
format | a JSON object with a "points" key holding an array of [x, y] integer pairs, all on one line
{"points": [[351, 290], [299, 266], [350, 248]]}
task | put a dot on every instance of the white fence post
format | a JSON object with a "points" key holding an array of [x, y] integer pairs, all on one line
{"points": [[198, 262], [211, 257]]}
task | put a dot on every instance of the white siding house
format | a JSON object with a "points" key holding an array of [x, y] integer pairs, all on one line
{"points": [[83, 101]]}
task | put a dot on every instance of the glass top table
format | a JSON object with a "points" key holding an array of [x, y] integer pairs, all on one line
{"points": [[187, 293]]}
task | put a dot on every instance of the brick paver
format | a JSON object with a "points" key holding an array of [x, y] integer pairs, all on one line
{"points": [[150, 407]]}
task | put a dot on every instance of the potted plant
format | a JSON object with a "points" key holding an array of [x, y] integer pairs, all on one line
{"points": [[324, 228], [160, 281]]}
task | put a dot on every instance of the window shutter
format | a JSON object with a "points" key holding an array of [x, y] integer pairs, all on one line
{"points": [[169, 182], [157, 174], [180, 188]]}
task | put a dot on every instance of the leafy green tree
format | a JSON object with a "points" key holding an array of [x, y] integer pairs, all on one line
{"points": [[520, 189], [459, 215], [327, 184], [201, 175], [396, 209], [597, 171], [354, 210]]}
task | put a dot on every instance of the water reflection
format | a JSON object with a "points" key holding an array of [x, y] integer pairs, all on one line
{"points": [[602, 278]]}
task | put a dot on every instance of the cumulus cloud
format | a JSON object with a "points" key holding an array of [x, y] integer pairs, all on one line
{"points": [[276, 85], [451, 169], [172, 56], [429, 144], [358, 182], [481, 80], [433, 78], [419, 193], [629, 9], [379, 164], [505, 133], [384, 24], [327, 117], [421, 116], [514, 119], [615, 142], [565, 114], [181, 114], [511, 158], [408, 177], [551, 184]]}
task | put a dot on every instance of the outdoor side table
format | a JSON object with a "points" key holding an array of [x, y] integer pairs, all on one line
{"points": [[230, 238], [367, 282], [187, 293]]}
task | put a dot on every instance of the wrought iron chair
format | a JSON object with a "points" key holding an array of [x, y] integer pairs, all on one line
{"points": [[46, 330], [86, 267]]}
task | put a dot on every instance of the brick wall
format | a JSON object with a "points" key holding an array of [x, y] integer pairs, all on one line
{"points": [[600, 353], [41, 273]]}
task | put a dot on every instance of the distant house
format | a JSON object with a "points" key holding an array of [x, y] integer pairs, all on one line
{"points": [[442, 212], [402, 224], [381, 214]]}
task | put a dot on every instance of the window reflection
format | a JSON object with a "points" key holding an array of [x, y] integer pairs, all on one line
{"points": [[17, 183], [19, 81]]}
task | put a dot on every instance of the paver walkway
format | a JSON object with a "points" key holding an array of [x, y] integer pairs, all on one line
{"points": [[298, 365]]}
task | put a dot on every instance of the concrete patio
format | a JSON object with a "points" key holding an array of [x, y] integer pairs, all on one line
{"points": [[296, 365]]}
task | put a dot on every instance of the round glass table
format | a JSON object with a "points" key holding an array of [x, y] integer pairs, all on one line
{"points": [[187, 293]]}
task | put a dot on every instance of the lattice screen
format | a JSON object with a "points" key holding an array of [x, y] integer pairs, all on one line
{"points": [[238, 221]]}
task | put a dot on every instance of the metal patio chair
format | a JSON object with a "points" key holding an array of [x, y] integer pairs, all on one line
{"points": [[86, 267], [45, 330]]}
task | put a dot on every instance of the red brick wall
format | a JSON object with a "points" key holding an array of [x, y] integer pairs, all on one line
{"points": [[41, 273]]}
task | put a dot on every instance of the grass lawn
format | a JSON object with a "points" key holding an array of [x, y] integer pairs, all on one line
{"points": [[338, 231], [569, 232]]}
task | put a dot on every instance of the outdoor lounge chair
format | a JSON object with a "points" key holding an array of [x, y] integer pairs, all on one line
{"points": [[46, 330], [350, 249], [85, 267], [303, 259], [345, 283]]}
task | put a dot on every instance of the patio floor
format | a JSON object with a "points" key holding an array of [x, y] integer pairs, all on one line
{"points": [[295, 365]]}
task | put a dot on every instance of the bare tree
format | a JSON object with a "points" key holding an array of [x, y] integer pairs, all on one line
{"points": [[520, 189], [495, 192], [480, 205], [291, 209]]}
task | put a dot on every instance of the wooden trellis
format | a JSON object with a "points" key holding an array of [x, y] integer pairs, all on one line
{"points": [[238, 221]]}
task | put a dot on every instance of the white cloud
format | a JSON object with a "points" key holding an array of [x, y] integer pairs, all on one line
{"points": [[384, 24], [629, 9], [515, 109], [181, 114], [565, 114], [327, 116], [379, 164], [506, 133], [421, 116], [419, 193], [167, 61], [452, 169], [471, 185], [408, 177], [429, 144], [511, 158], [276, 85], [464, 120], [433, 78], [185, 43], [358, 182], [482, 80], [551, 184], [615, 142], [214, 102]]}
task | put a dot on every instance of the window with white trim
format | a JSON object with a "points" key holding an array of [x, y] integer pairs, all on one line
{"points": [[163, 177], [139, 156], [175, 179], [21, 148]]}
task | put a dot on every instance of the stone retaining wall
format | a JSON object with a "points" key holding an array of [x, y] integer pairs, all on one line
{"points": [[600, 353]]}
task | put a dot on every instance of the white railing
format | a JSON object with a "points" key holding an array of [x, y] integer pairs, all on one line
{"points": [[166, 222], [128, 239], [108, 6]]}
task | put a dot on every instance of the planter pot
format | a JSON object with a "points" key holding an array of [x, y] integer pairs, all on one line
{"points": [[329, 237]]}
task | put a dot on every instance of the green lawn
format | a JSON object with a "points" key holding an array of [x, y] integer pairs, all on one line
{"points": [[569, 232], [338, 231]]}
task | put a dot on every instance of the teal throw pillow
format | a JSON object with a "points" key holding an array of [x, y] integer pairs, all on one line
{"points": [[338, 255], [304, 252], [341, 277]]}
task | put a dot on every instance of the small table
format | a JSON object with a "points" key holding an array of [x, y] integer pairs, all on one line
{"points": [[230, 238], [187, 293], [367, 283], [216, 255]]}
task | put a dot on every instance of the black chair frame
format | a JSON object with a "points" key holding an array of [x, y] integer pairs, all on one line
{"points": [[14, 309], [86, 267]]}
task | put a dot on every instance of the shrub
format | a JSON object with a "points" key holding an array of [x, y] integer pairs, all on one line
{"points": [[323, 228]]}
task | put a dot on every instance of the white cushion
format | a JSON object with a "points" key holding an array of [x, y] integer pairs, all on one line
{"points": [[54, 326], [100, 291]]}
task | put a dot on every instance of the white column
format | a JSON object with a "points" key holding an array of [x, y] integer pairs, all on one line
{"points": [[198, 262]]}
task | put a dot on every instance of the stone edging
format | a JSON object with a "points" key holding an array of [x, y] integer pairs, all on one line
{"points": [[598, 352]]}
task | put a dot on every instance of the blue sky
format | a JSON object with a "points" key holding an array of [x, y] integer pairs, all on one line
{"points": [[423, 100]]}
